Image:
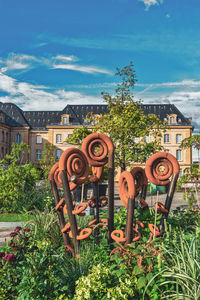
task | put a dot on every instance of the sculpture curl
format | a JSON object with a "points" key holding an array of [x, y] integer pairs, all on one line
{"points": [[83, 235], [160, 167], [75, 164], [96, 141], [156, 231], [140, 178], [96, 174], [161, 208], [121, 238], [55, 174], [126, 187]]}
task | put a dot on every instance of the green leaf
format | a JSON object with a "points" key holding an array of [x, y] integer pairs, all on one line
{"points": [[141, 282], [137, 270]]}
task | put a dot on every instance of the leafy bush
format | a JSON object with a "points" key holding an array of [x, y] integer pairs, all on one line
{"points": [[36, 266], [101, 284], [16, 180]]}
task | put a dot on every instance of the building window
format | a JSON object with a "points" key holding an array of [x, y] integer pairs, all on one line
{"points": [[65, 120], [58, 138], [166, 138], [69, 135], [166, 150], [178, 154], [58, 154], [178, 138], [2, 152], [6, 137], [2, 137], [180, 173], [39, 139], [18, 138], [38, 154], [172, 120]]}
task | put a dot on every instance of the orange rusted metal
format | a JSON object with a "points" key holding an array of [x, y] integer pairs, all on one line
{"points": [[160, 167], [139, 178], [160, 208], [83, 235], [126, 187], [75, 164]]}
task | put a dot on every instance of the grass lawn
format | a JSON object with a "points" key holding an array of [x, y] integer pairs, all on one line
{"points": [[15, 217]]}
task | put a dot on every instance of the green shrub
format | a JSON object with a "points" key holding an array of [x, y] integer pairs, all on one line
{"points": [[101, 284]]}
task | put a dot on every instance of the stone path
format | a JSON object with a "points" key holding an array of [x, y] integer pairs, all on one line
{"points": [[4, 235], [5, 229]]}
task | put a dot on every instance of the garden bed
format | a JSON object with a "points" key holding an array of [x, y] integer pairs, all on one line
{"points": [[35, 265]]}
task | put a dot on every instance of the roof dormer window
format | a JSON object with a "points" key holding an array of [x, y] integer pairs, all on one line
{"points": [[65, 119], [173, 119]]}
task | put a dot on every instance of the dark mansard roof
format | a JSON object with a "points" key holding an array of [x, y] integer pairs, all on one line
{"points": [[38, 120]]}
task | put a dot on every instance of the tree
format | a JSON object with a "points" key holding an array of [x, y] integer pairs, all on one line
{"points": [[47, 161], [16, 180], [193, 141], [78, 135], [126, 122]]}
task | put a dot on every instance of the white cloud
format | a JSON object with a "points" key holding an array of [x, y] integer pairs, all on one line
{"points": [[184, 94], [26, 62], [187, 101], [148, 3], [34, 97], [65, 58], [85, 69], [17, 62], [191, 83]]}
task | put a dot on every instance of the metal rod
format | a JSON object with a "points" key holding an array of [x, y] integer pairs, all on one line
{"points": [[59, 212], [96, 194], [144, 192], [169, 199], [129, 224], [72, 218], [110, 196]]}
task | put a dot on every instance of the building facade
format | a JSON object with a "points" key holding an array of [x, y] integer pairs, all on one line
{"points": [[37, 127]]}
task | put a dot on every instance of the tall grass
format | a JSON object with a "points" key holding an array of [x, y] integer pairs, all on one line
{"points": [[183, 271], [180, 278]]}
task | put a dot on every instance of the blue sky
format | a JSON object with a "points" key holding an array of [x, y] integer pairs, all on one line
{"points": [[57, 52]]}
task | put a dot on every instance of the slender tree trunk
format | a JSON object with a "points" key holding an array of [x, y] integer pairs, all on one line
{"points": [[123, 164]]}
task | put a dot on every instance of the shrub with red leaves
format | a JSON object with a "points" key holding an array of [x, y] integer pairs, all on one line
{"points": [[12, 234], [27, 230], [18, 228], [10, 258]]}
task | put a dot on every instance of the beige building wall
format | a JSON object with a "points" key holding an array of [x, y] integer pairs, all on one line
{"points": [[57, 134], [4, 140]]}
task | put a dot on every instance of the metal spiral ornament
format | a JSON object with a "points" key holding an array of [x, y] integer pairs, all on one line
{"points": [[75, 164], [94, 141], [160, 167], [126, 187], [139, 178]]}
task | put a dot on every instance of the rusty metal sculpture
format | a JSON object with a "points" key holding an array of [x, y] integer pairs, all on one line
{"points": [[130, 184], [73, 169], [99, 150], [159, 168]]}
